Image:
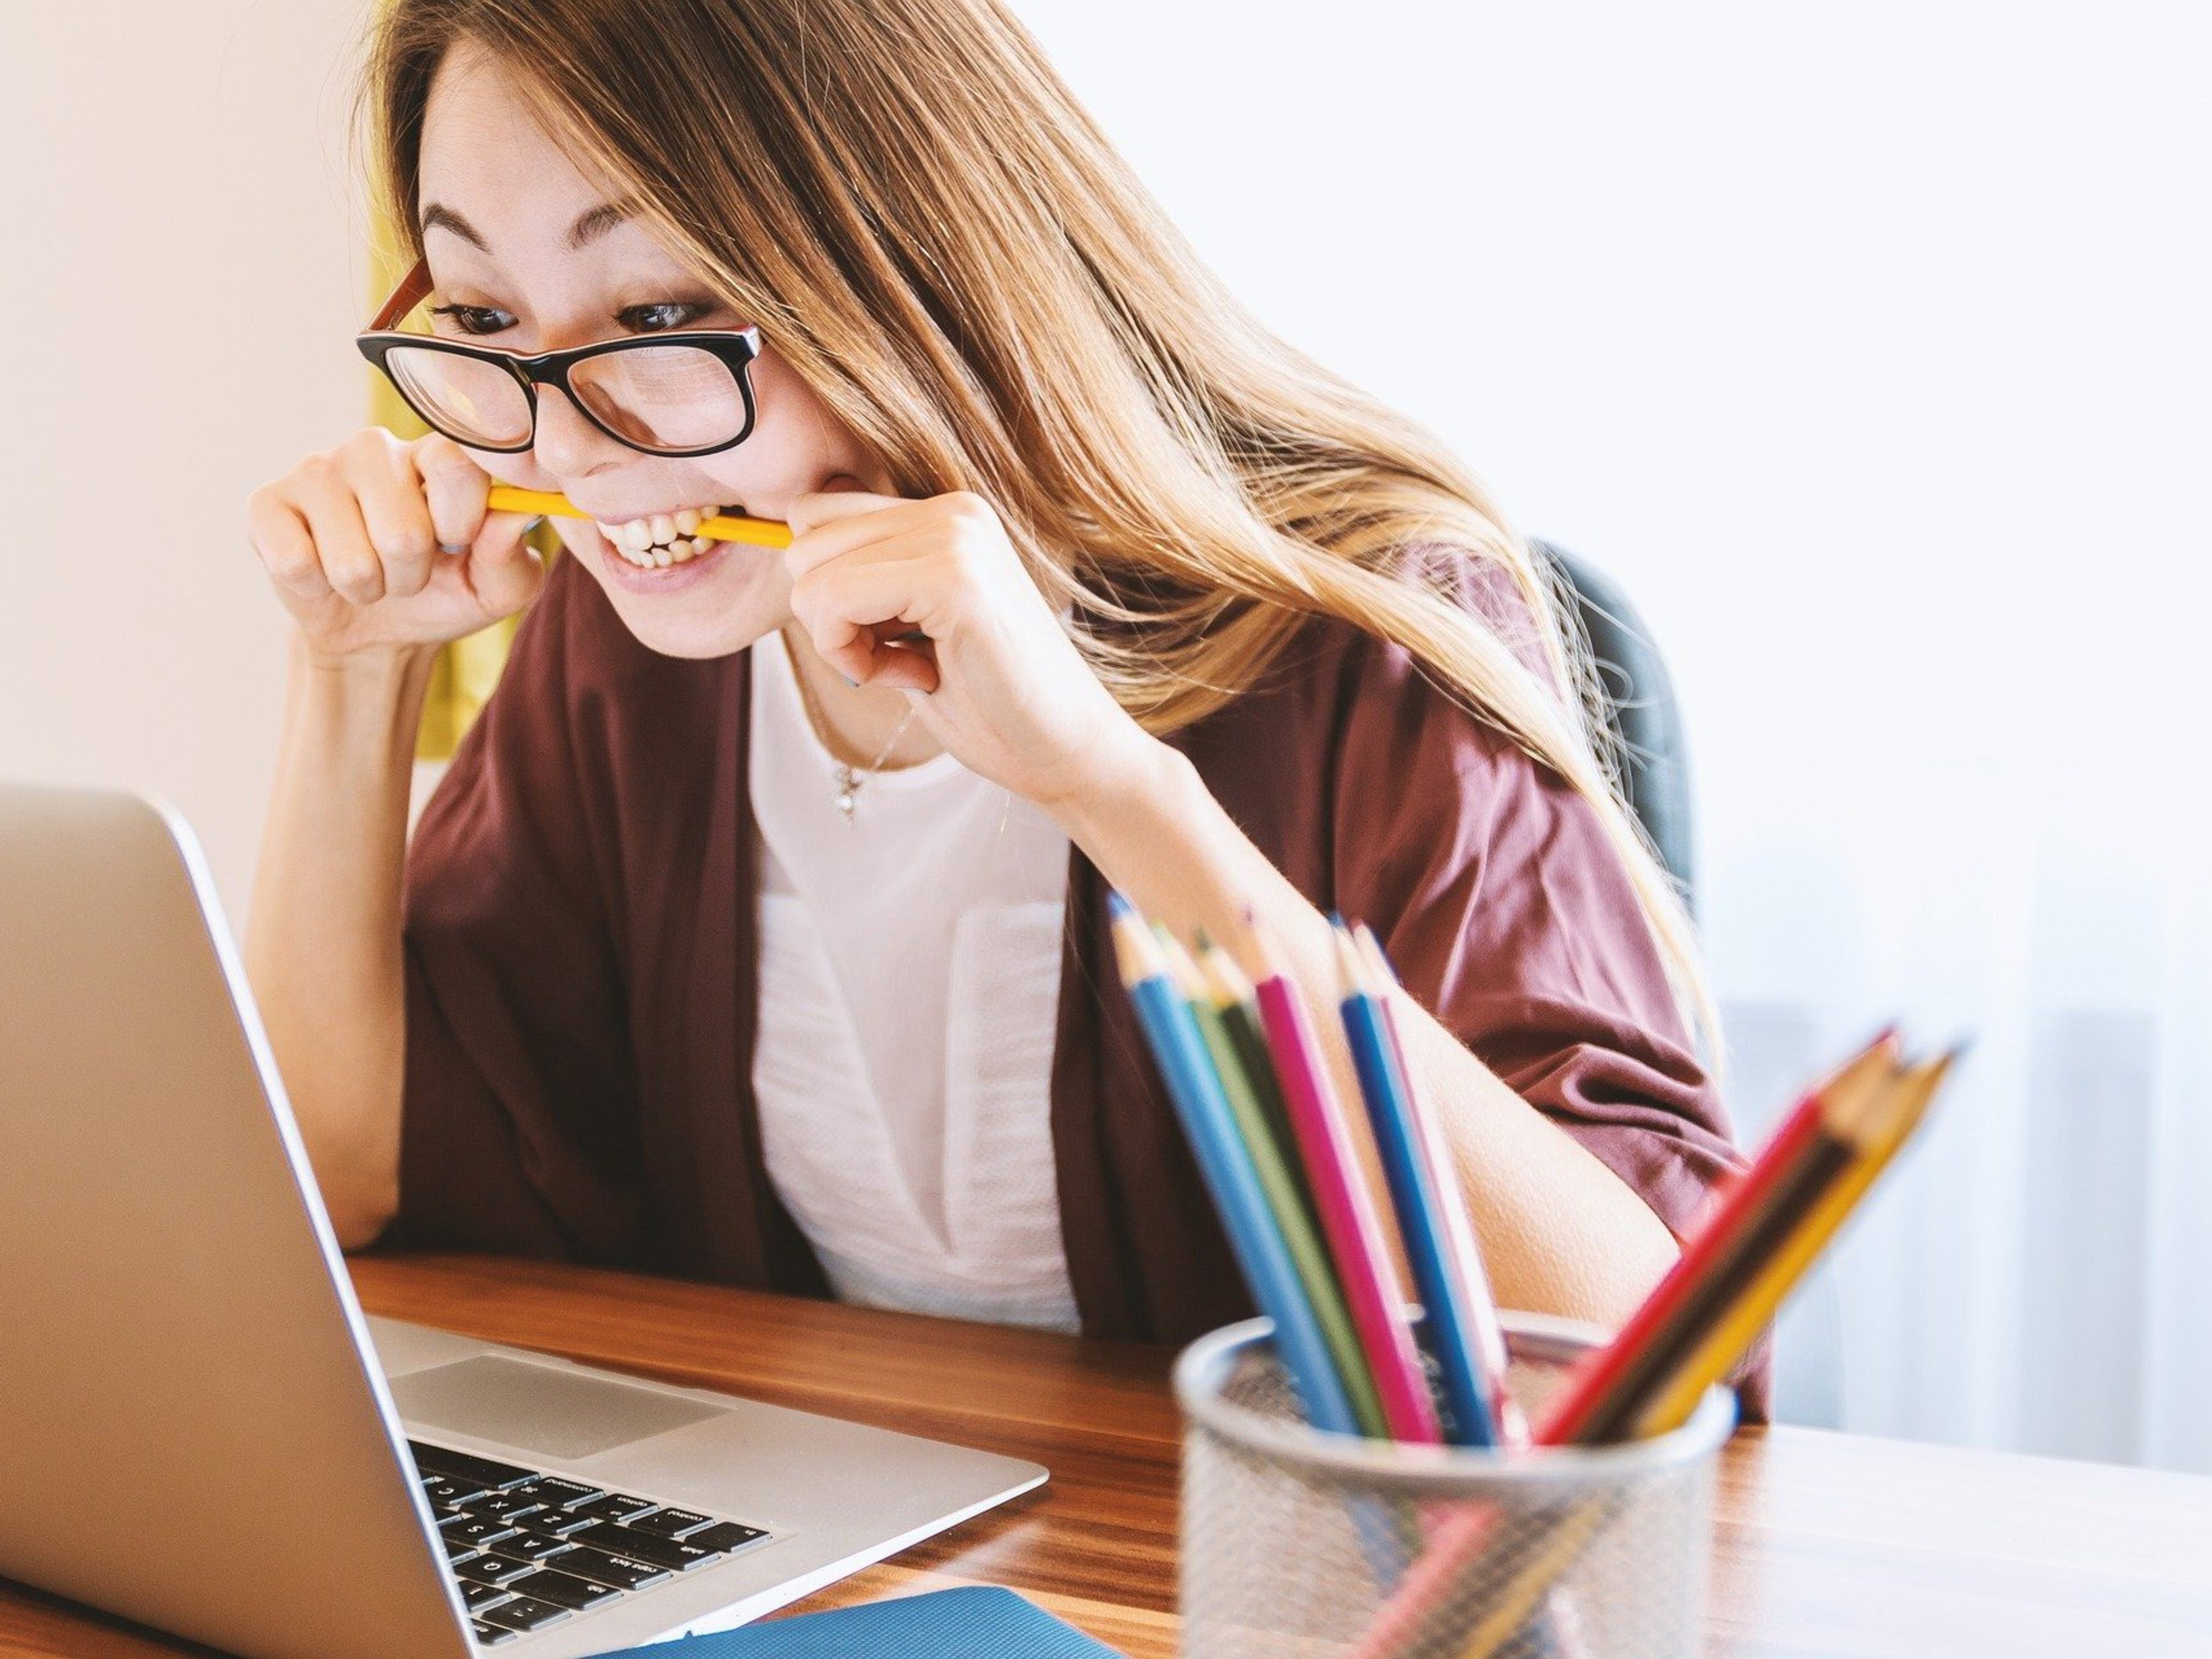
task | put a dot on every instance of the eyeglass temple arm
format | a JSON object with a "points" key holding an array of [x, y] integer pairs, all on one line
{"points": [[404, 298]]}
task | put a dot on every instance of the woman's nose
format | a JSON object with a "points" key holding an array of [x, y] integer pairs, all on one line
{"points": [[567, 444]]}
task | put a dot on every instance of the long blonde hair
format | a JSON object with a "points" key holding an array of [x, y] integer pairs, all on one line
{"points": [[942, 243]]}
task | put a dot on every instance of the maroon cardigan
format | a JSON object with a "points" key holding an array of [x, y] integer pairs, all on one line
{"points": [[581, 953]]}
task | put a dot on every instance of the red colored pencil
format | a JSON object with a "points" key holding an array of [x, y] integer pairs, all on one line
{"points": [[1599, 1388], [1596, 1389]]}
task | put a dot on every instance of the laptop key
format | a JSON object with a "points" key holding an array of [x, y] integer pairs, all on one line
{"points": [[553, 1492], [528, 1546], [491, 1636], [456, 1549], [491, 1570], [723, 1536], [557, 1523], [466, 1466], [446, 1489], [474, 1530], [604, 1569], [613, 1506], [523, 1613], [475, 1596], [671, 1523], [564, 1589], [644, 1546], [503, 1505]]}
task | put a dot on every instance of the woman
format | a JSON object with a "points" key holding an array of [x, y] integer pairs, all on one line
{"points": [[757, 932]]}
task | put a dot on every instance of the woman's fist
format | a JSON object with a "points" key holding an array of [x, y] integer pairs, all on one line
{"points": [[382, 544]]}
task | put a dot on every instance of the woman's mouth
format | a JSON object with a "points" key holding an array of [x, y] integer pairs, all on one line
{"points": [[660, 541]]}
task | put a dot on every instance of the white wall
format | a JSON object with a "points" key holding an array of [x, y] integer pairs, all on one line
{"points": [[182, 278]]}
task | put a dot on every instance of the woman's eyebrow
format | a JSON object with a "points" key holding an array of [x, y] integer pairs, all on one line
{"points": [[591, 224], [437, 216], [596, 223]]}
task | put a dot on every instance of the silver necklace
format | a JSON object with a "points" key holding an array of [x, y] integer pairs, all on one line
{"points": [[847, 779]]}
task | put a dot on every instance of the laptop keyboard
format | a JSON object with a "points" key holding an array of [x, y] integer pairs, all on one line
{"points": [[531, 1549]]}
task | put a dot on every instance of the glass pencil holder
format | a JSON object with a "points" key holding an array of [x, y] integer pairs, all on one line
{"points": [[1300, 1545]]}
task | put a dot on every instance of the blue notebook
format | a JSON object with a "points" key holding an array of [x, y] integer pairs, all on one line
{"points": [[977, 1623]]}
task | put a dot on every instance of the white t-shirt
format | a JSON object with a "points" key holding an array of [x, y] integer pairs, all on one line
{"points": [[909, 980]]}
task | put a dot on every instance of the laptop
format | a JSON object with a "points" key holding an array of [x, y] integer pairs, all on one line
{"points": [[201, 1431]]}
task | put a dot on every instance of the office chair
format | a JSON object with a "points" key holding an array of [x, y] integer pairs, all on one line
{"points": [[1641, 709]]}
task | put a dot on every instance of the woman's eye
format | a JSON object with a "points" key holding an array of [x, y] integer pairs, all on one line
{"points": [[659, 318], [475, 320]]}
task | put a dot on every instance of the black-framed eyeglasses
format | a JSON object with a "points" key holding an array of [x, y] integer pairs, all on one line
{"points": [[685, 392]]}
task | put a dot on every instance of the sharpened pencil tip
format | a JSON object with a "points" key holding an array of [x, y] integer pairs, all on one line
{"points": [[1350, 976], [1371, 951], [1116, 906]]}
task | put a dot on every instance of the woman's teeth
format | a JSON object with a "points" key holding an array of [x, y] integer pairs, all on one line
{"points": [[663, 539]]}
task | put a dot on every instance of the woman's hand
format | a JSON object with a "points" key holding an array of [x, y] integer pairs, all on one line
{"points": [[1008, 693], [385, 545]]}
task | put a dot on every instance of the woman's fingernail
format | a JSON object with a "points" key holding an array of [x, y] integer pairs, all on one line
{"points": [[452, 548], [850, 681]]}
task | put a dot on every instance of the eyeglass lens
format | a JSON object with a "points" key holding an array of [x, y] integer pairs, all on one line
{"points": [[666, 398], [468, 401], [662, 397]]}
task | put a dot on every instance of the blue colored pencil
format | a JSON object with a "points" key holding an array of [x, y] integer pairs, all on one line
{"points": [[1195, 1088], [1462, 1251], [1452, 1330]]}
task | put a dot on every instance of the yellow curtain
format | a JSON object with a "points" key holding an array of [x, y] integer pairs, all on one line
{"points": [[468, 670]]}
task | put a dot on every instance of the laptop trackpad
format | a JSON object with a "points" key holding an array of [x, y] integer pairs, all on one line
{"points": [[537, 1408]]}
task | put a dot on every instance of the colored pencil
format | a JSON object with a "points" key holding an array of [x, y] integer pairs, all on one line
{"points": [[1869, 1104], [1450, 1331], [1459, 1227], [1345, 1207], [1601, 1391], [722, 527], [1233, 998], [1888, 1123], [1285, 1202], [1209, 1125], [1883, 1119]]}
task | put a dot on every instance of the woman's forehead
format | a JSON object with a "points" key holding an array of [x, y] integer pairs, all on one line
{"points": [[486, 156]]}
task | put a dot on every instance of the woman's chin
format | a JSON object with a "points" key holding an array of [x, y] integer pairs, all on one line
{"points": [[698, 638], [711, 607]]}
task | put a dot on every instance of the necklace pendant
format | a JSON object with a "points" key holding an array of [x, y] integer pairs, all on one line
{"points": [[847, 786]]}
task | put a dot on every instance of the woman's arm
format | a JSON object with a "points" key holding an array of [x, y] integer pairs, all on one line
{"points": [[323, 939], [351, 541], [1561, 1233]]}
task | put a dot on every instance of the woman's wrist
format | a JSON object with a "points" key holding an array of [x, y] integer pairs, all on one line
{"points": [[1124, 801], [386, 668], [365, 705]]}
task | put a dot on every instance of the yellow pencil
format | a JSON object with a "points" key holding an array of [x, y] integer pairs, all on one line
{"points": [[1887, 1125], [758, 533]]}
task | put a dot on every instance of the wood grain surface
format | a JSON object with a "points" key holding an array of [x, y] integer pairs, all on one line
{"points": [[1827, 1545]]}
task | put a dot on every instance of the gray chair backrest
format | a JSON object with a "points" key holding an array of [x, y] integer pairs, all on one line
{"points": [[1642, 710]]}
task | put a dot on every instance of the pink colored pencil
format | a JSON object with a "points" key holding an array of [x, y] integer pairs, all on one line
{"points": [[1344, 1204]]}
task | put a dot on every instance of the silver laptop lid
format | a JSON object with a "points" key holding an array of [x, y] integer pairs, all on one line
{"points": [[192, 1436]]}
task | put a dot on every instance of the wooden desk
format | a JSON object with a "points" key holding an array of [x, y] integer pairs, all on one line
{"points": [[1829, 1545]]}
